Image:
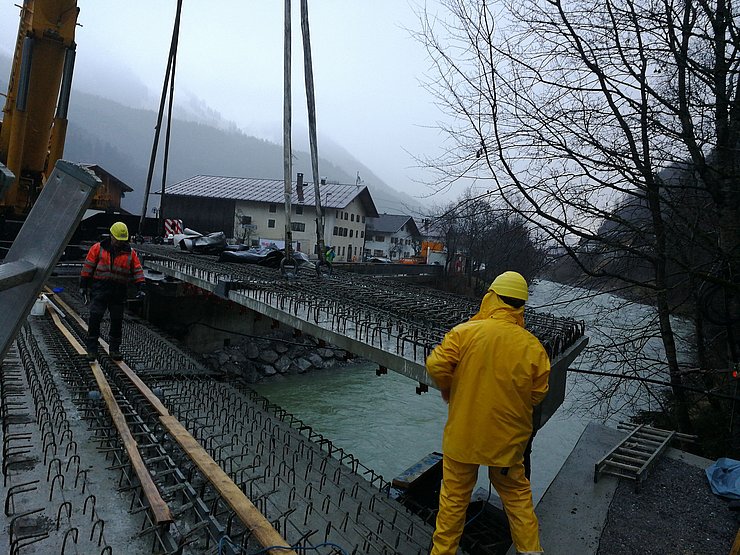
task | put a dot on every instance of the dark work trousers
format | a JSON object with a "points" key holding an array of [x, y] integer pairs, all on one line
{"points": [[111, 297]]}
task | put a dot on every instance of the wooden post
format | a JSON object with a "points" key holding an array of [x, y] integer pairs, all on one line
{"points": [[287, 149], [308, 71]]}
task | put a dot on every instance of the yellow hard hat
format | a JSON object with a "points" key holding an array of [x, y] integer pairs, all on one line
{"points": [[119, 231], [510, 284]]}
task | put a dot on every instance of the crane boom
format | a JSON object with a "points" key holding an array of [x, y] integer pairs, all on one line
{"points": [[34, 122]]}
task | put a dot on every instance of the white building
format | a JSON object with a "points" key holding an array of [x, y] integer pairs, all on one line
{"points": [[253, 211], [392, 236]]}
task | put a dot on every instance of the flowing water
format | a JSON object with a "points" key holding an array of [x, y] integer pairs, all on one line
{"points": [[383, 422]]}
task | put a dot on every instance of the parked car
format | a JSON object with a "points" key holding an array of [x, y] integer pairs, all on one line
{"points": [[265, 256], [378, 260]]}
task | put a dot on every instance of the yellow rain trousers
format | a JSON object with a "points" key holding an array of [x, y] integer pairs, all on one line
{"points": [[494, 371]]}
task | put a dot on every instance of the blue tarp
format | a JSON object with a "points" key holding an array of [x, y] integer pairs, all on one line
{"points": [[724, 478]]}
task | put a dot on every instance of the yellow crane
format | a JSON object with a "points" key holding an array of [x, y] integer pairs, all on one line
{"points": [[34, 122]]}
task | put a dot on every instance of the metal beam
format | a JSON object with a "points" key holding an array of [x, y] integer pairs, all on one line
{"points": [[16, 273], [42, 240], [6, 180]]}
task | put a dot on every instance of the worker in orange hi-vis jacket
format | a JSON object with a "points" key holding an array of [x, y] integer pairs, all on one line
{"points": [[109, 267], [492, 372]]}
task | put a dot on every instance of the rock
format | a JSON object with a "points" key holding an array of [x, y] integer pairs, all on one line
{"points": [[238, 356], [251, 350], [302, 365], [325, 353], [223, 358], [268, 370], [230, 368], [251, 374], [282, 364], [315, 360], [341, 354], [280, 347], [269, 356]]}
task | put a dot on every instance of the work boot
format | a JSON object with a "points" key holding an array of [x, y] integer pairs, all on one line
{"points": [[115, 348], [92, 350]]}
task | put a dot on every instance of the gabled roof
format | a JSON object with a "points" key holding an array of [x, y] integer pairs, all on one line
{"points": [[333, 195], [103, 172], [391, 223]]}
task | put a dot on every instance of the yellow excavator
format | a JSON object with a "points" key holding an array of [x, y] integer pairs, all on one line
{"points": [[34, 123]]}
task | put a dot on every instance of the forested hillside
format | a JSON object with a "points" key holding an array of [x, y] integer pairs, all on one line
{"points": [[119, 138]]}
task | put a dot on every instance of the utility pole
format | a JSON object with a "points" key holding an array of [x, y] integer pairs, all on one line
{"points": [[287, 149], [308, 72]]}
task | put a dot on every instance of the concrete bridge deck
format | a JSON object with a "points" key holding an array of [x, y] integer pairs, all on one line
{"points": [[395, 325]]}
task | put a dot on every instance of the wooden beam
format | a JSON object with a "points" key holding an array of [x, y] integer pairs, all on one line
{"points": [[71, 338], [125, 368], [736, 546], [159, 508], [245, 510]]}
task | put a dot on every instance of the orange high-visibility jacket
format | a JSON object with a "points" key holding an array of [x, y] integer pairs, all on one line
{"points": [[496, 371], [101, 265]]}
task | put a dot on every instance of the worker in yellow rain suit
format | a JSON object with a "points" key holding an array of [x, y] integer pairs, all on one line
{"points": [[492, 372]]}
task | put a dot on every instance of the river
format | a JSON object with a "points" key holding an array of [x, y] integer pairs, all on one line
{"points": [[383, 422]]}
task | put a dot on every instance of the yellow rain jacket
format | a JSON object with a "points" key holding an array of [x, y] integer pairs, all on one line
{"points": [[495, 371]]}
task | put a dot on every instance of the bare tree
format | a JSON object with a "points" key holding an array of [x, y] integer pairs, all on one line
{"points": [[493, 238], [580, 108]]}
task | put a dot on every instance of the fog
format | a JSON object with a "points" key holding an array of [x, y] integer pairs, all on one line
{"points": [[230, 61]]}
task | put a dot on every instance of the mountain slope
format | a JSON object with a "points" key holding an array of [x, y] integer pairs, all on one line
{"points": [[119, 138]]}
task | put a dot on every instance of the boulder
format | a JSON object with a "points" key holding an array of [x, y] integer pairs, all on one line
{"points": [[267, 370], [280, 347], [302, 365], [251, 350], [315, 360], [223, 358], [231, 368], [238, 356], [269, 356], [325, 353], [282, 364]]}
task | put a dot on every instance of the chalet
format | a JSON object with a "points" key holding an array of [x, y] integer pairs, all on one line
{"points": [[252, 211], [108, 196], [392, 236]]}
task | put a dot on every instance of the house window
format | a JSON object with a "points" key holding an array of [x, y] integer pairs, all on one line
{"points": [[246, 220], [345, 232], [362, 234], [363, 219], [273, 208], [352, 217], [335, 231], [380, 239], [337, 214], [299, 209], [297, 226], [270, 223], [350, 232], [346, 216]]}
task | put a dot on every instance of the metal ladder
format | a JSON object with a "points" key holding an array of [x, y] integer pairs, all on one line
{"points": [[636, 454]]}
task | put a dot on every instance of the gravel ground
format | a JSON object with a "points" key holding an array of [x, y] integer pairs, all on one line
{"points": [[675, 513]]}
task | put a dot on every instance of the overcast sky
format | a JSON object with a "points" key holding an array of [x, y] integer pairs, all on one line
{"points": [[366, 69]]}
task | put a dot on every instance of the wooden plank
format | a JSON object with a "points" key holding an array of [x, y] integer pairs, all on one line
{"points": [[71, 338], [140, 385], [159, 508], [736, 546], [245, 510], [143, 388]]}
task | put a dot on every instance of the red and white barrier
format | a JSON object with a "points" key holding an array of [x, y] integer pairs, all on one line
{"points": [[172, 227]]}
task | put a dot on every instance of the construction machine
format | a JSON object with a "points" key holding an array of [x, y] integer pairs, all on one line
{"points": [[34, 123]]}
